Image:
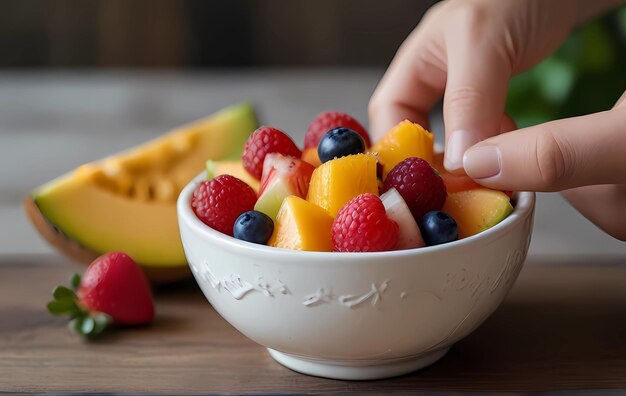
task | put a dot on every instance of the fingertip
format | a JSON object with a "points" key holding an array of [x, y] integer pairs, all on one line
{"points": [[457, 143], [482, 162]]}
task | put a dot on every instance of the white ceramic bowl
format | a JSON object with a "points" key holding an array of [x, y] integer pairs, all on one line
{"points": [[357, 316]]}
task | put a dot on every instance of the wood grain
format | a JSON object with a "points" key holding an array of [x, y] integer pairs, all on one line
{"points": [[563, 327]]}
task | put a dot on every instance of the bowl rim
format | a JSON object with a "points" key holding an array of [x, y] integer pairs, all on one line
{"points": [[524, 205]]}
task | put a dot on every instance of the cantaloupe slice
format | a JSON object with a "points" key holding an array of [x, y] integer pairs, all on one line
{"points": [[477, 210], [127, 202], [407, 139], [337, 181], [300, 225]]}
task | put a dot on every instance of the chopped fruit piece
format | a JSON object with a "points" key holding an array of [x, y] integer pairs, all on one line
{"points": [[477, 210], [362, 225], [282, 176], [253, 226], [409, 236], [233, 168], [112, 290], [438, 227], [337, 181], [219, 201], [419, 184], [127, 202], [266, 140], [405, 140], [453, 183], [340, 142], [300, 225], [328, 120], [310, 155]]}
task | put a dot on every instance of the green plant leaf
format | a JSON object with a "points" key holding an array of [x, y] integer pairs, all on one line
{"points": [[63, 293], [76, 324], [75, 281], [102, 321], [598, 53], [64, 308], [557, 79], [87, 326]]}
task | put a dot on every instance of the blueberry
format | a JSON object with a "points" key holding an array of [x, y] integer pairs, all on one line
{"points": [[253, 226], [340, 142], [438, 227]]}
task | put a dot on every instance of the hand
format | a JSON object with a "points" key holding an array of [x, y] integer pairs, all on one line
{"points": [[466, 51], [585, 157]]}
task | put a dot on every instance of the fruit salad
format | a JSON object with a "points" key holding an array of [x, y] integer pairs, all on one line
{"points": [[343, 194]]}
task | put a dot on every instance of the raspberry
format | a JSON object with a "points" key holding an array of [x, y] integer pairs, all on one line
{"points": [[328, 120], [263, 141], [362, 225], [219, 201], [421, 187]]}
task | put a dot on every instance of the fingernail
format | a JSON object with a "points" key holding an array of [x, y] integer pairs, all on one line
{"points": [[457, 143], [482, 162]]}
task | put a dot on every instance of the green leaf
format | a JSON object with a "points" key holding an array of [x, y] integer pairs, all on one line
{"points": [[87, 326], [63, 293], [102, 321], [598, 53], [76, 324], [64, 308], [557, 79], [75, 281]]}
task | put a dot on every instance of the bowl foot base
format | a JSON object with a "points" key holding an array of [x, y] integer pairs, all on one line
{"points": [[355, 370]]}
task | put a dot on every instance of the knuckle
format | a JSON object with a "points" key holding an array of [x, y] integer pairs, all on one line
{"points": [[461, 98], [471, 16], [551, 160]]}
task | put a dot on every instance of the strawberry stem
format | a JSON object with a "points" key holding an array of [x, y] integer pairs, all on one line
{"points": [[82, 322]]}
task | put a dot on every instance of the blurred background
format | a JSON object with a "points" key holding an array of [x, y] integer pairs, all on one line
{"points": [[81, 79], [585, 75]]}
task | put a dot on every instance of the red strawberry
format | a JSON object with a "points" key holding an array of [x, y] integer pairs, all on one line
{"points": [[328, 120], [263, 141], [362, 225], [419, 184], [113, 290], [219, 201]]}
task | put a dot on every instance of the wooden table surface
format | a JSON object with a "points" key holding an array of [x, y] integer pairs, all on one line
{"points": [[563, 327]]}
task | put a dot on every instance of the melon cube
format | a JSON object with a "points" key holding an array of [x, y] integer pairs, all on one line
{"points": [[233, 168], [407, 139], [310, 155], [300, 225], [477, 210]]}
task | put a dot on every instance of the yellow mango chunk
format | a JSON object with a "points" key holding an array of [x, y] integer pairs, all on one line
{"points": [[310, 155], [477, 210], [300, 225], [337, 181], [407, 139]]}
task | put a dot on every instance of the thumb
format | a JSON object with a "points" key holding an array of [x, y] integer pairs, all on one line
{"points": [[554, 156]]}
